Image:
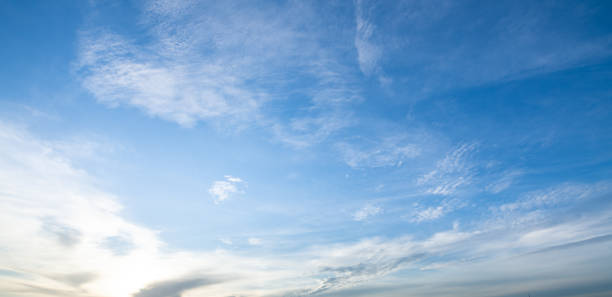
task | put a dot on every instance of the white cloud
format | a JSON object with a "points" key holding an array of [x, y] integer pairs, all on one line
{"points": [[64, 219], [72, 239], [435, 212], [368, 53], [504, 182], [383, 152], [223, 189], [366, 212], [302, 132], [557, 195], [450, 173], [429, 214], [67, 227], [478, 251], [118, 72], [222, 65], [233, 179]]}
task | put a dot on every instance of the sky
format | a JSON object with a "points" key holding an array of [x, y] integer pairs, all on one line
{"points": [[158, 148]]}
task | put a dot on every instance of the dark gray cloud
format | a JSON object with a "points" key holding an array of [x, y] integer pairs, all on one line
{"points": [[174, 288]]}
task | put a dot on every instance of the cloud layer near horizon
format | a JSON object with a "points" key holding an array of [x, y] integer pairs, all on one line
{"points": [[65, 218]]}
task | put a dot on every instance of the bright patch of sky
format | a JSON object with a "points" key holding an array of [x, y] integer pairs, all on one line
{"points": [[156, 148]]}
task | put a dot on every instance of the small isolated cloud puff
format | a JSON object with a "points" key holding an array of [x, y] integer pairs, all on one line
{"points": [[223, 189], [366, 212]]}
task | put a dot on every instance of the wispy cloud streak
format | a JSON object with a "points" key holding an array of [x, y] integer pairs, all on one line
{"points": [[451, 172], [368, 53], [223, 67]]}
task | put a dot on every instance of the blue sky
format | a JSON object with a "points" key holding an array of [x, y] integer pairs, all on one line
{"points": [[289, 148]]}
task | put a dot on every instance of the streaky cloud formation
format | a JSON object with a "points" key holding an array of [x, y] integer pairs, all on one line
{"points": [[368, 53], [239, 60], [289, 148], [451, 172], [436, 212]]}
